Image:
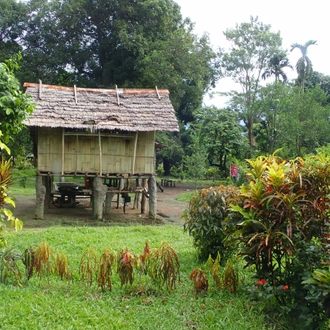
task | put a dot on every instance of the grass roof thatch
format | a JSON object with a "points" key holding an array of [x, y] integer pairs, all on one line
{"points": [[104, 109]]}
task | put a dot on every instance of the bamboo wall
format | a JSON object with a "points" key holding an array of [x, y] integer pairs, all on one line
{"points": [[83, 152]]}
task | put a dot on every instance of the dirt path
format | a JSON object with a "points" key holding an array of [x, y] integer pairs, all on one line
{"points": [[169, 210]]}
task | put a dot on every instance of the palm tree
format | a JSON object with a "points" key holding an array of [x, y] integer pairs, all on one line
{"points": [[276, 65], [304, 65]]}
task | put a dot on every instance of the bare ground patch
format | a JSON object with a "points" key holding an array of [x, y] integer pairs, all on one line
{"points": [[169, 210]]}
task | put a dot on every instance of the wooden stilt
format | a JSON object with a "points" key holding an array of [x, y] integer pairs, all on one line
{"points": [[152, 189], [40, 201]]}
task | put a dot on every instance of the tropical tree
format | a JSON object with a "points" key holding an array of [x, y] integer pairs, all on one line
{"points": [[252, 45], [132, 44], [221, 135], [319, 79], [273, 101], [15, 105], [170, 152], [12, 21], [276, 65], [304, 65], [304, 124]]}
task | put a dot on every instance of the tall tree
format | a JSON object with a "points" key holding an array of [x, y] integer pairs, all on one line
{"points": [[12, 27], [272, 102], [319, 79], [252, 45], [102, 43], [276, 65], [221, 135], [305, 122], [304, 65]]}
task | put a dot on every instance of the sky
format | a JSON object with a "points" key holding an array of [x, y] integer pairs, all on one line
{"points": [[297, 21]]}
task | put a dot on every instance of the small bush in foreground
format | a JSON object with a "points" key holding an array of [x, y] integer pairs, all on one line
{"points": [[107, 260], [207, 220], [125, 266], [163, 266], [200, 280]]}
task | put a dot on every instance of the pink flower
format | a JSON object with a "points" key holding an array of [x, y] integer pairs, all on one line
{"points": [[261, 282], [285, 287]]}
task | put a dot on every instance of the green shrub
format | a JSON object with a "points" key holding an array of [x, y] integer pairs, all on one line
{"points": [[5, 181], [213, 173], [207, 220], [284, 206]]}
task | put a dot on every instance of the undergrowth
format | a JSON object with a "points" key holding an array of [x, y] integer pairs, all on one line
{"points": [[52, 302]]}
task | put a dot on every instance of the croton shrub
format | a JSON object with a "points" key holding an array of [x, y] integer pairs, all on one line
{"points": [[277, 221]]}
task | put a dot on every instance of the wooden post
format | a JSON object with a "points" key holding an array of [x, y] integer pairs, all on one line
{"points": [[100, 152], [40, 200], [47, 182], [120, 187], [152, 189], [99, 194], [108, 200], [134, 152], [63, 156], [144, 197], [138, 193]]}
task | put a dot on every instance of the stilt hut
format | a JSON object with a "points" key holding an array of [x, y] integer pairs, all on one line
{"points": [[103, 135]]}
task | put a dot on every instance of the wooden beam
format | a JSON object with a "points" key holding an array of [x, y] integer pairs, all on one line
{"points": [[134, 152], [75, 93], [117, 93], [100, 152], [157, 91], [76, 162], [40, 89], [63, 158], [101, 90]]}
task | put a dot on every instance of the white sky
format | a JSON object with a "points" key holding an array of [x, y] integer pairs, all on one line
{"points": [[297, 21]]}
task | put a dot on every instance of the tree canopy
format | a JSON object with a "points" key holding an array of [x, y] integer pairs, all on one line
{"points": [[252, 46], [304, 65], [140, 44], [143, 44]]}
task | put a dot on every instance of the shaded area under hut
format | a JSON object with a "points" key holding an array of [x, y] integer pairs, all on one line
{"points": [[106, 137]]}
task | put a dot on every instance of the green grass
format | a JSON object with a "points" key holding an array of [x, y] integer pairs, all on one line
{"points": [[185, 197], [49, 303], [23, 182]]}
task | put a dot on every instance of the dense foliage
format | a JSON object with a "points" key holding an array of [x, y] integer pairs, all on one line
{"points": [[5, 200], [105, 43], [102, 43], [14, 104], [278, 222], [207, 219]]}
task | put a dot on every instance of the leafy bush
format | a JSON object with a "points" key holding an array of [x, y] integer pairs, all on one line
{"points": [[125, 266], [200, 280], [107, 261], [5, 182], [284, 207], [8, 264], [163, 266], [207, 220], [213, 173]]}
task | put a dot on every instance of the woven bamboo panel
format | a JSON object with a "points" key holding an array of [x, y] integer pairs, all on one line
{"points": [[84, 154]]}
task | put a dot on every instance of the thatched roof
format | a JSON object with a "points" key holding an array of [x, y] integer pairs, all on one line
{"points": [[111, 109]]}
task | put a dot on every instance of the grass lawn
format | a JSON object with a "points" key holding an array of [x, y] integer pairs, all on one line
{"points": [[51, 303]]}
